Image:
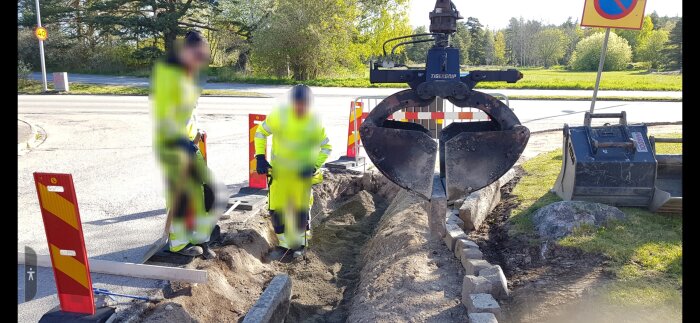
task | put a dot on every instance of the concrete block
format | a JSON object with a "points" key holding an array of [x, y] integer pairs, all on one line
{"points": [[438, 209], [454, 218], [60, 82], [453, 233], [507, 177], [464, 244], [273, 304], [483, 303], [478, 205], [498, 280], [474, 285], [468, 253], [482, 318], [474, 266]]}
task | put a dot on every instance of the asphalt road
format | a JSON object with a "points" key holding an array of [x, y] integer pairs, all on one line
{"points": [[105, 142]]}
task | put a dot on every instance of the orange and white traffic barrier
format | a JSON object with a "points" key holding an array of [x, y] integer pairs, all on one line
{"points": [[255, 180], [355, 121], [476, 115], [64, 233]]}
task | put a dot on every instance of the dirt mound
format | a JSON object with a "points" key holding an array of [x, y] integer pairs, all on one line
{"points": [[406, 277]]}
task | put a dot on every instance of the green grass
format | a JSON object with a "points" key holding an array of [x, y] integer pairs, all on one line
{"points": [[588, 98], [35, 87], [551, 79], [645, 249]]}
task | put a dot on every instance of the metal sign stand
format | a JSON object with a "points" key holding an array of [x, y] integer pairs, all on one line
{"points": [[600, 68]]}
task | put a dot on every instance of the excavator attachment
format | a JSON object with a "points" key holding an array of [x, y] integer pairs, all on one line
{"points": [[668, 191], [472, 154]]}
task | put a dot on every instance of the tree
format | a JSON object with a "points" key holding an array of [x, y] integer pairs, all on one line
{"points": [[308, 38], [587, 54], [573, 33], [550, 46], [489, 48], [476, 33], [636, 37], [417, 52], [241, 18], [673, 51], [132, 19], [499, 48], [462, 40], [651, 50]]}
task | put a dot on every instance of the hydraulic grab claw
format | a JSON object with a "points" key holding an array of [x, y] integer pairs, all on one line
{"points": [[473, 154]]}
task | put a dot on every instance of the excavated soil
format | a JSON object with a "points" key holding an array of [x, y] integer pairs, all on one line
{"points": [[369, 260], [546, 281]]}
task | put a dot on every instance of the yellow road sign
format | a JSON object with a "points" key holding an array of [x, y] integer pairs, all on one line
{"points": [[625, 14], [41, 33]]}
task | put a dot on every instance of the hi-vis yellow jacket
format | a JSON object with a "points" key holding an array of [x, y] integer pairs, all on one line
{"points": [[297, 143], [174, 95]]}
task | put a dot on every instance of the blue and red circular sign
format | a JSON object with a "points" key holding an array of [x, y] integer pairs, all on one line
{"points": [[614, 9]]}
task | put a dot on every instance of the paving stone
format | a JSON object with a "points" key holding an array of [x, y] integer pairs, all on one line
{"points": [[473, 266], [468, 253], [482, 318], [474, 285], [464, 244], [498, 281], [483, 303], [453, 234], [273, 304]]}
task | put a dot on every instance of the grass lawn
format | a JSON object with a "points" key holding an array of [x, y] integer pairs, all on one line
{"points": [[35, 87], [645, 249], [533, 79]]}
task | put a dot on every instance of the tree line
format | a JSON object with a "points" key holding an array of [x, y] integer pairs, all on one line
{"points": [[306, 39], [658, 45]]}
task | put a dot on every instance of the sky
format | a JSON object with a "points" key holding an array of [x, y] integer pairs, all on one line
{"points": [[496, 13]]}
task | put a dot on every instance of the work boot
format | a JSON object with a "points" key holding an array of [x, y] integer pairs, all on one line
{"points": [[191, 251], [207, 253]]}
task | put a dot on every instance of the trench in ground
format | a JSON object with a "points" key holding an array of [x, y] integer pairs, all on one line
{"points": [[344, 253]]}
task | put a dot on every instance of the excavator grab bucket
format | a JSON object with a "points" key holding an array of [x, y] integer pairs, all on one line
{"points": [[668, 190], [404, 152], [473, 154]]}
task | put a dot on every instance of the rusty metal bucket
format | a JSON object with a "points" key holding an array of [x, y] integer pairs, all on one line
{"points": [[668, 191]]}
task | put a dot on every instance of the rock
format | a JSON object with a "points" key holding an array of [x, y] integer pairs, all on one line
{"points": [[483, 303], [475, 285], [473, 266], [452, 234], [507, 177], [168, 307], [499, 283], [478, 205], [482, 318], [470, 253], [559, 219]]}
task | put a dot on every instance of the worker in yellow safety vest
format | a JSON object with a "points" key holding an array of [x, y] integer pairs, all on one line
{"points": [[299, 149], [174, 95]]}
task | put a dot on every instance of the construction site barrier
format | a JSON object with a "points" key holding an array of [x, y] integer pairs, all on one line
{"points": [[202, 144], [255, 180], [64, 233]]}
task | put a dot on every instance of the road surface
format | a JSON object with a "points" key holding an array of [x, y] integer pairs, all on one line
{"points": [[105, 142]]}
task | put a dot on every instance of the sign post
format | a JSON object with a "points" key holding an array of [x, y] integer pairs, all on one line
{"points": [[623, 14], [41, 34]]}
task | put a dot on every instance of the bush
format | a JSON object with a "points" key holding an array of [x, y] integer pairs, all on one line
{"points": [[23, 71], [587, 54]]}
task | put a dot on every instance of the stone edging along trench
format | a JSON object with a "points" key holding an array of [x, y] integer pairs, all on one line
{"points": [[483, 282]]}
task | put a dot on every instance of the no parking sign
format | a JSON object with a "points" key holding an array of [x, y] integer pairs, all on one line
{"points": [[625, 14]]}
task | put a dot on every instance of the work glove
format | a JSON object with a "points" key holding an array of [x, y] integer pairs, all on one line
{"points": [[308, 172], [263, 165], [186, 145]]}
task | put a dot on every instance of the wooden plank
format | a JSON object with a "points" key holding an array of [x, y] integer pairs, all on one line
{"points": [[132, 270]]}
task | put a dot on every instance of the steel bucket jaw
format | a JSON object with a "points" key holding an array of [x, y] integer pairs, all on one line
{"points": [[475, 154]]}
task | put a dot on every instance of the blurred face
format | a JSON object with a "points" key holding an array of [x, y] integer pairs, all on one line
{"points": [[301, 108], [195, 57]]}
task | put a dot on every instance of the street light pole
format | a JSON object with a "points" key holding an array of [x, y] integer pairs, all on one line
{"points": [[41, 48]]}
